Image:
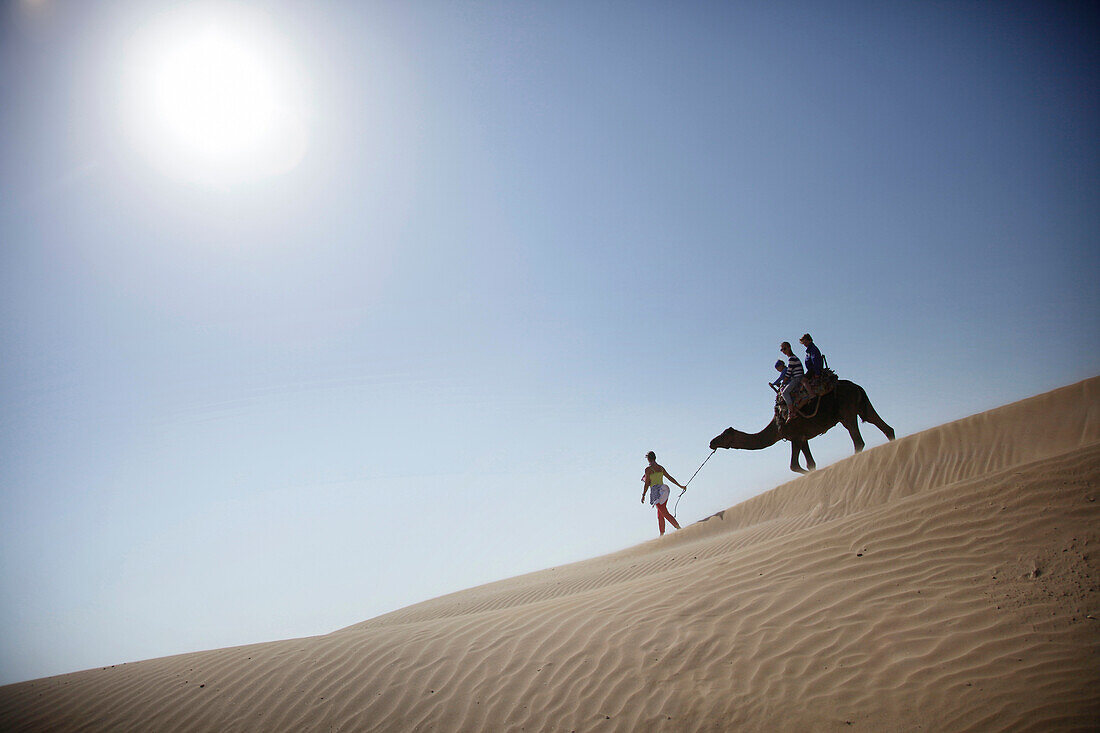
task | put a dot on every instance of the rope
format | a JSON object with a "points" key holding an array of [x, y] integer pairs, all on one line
{"points": [[677, 504]]}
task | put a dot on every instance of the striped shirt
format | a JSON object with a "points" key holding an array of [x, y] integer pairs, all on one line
{"points": [[794, 367]]}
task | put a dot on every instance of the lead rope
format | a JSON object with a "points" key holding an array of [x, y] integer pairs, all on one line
{"points": [[677, 504]]}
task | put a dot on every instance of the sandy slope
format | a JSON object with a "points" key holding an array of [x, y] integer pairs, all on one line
{"points": [[941, 582]]}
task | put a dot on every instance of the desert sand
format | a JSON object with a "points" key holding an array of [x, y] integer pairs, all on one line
{"points": [[942, 582]]}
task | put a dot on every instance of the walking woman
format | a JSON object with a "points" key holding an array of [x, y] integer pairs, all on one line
{"points": [[654, 481]]}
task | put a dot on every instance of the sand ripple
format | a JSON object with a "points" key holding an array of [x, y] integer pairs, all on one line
{"points": [[941, 582]]}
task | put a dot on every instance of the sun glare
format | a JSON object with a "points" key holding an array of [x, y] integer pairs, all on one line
{"points": [[213, 98]]}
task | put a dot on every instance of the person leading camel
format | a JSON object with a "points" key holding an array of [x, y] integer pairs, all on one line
{"points": [[653, 480]]}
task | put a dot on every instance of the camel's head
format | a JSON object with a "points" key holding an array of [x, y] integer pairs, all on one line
{"points": [[729, 438]]}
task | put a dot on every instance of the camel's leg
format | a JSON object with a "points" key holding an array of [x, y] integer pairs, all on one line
{"points": [[852, 426], [867, 414], [796, 447], [810, 464]]}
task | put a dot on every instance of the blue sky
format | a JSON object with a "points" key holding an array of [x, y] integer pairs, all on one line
{"points": [[512, 247]]}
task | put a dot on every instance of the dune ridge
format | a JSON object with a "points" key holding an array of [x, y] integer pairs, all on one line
{"points": [[939, 582]]}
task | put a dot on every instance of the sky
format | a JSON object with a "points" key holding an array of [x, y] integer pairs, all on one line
{"points": [[311, 311]]}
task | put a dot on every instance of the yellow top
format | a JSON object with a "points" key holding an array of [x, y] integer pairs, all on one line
{"points": [[656, 478]]}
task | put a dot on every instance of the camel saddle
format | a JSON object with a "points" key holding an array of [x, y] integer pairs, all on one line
{"points": [[819, 384]]}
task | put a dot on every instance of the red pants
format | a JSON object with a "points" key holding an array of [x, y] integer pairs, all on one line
{"points": [[662, 515]]}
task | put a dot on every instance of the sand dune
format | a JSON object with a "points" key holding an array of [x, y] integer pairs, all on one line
{"points": [[941, 582]]}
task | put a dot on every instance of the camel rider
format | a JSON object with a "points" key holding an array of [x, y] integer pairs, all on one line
{"points": [[783, 376], [814, 361], [794, 378], [653, 481]]}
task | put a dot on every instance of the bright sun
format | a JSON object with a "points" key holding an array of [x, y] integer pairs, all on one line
{"points": [[212, 97]]}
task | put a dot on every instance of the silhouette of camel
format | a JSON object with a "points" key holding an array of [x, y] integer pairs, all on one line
{"points": [[846, 404]]}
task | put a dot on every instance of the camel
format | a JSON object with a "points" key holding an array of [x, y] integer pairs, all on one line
{"points": [[844, 404]]}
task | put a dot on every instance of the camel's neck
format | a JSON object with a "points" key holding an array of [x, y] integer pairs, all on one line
{"points": [[766, 438]]}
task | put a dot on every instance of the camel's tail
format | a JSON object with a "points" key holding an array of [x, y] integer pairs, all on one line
{"points": [[867, 414]]}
